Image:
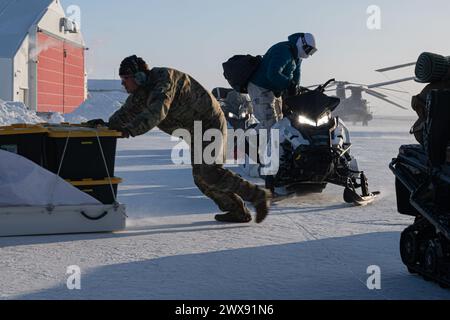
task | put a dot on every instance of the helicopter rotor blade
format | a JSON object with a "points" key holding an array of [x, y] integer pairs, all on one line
{"points": [[387, 100], [356, 84], [393, 90], [377, 85], [336, 83], [375, 93], [400, 66]]}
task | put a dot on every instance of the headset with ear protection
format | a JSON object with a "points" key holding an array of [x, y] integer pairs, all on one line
{"points": [[140, 77]]}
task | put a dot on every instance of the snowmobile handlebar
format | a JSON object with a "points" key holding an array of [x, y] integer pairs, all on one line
{"points": [[299, 90], [325, 85]]}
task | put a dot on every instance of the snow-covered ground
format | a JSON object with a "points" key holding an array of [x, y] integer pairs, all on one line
{"points": [[313, 247]]}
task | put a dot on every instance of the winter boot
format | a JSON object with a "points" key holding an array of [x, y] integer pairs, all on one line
{"points": [[262, 204], [238, 216]]}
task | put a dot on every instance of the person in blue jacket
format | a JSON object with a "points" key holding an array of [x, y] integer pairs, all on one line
{"points": [[279, 71]]}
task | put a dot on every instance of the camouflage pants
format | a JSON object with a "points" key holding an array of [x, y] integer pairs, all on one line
{"points": [[266, 107], [225, 188]]}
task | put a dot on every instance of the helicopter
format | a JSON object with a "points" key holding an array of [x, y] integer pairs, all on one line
{"points": [[354, 108]]}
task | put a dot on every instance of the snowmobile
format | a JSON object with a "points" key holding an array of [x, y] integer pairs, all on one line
{"points": [[243, 120], [422, 174], [315, 149], [237, 108]]}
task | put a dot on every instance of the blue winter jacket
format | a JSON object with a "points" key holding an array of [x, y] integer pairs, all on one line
{"points": [[280, 66]]}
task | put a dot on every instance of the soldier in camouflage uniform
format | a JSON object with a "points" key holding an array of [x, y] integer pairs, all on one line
{"points": [[171, 100]]}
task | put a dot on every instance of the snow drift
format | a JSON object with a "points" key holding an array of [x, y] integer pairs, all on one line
{"points": [[16, 112], [105, 98]]}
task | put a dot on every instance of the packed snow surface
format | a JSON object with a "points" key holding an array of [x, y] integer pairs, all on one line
{"points": [[311, 247]]}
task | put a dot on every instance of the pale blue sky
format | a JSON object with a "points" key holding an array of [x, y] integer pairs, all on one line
{"points": [[196, 36]]}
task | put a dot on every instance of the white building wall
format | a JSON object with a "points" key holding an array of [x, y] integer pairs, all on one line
{"points": [[21, 87], [32, 69], [6, 79]]}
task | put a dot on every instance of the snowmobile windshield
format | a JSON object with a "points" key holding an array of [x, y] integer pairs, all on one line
{"points": [[221, 93], [312, 104]]}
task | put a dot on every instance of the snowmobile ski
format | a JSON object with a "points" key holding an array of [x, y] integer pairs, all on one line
{"points": [[352, 197]]}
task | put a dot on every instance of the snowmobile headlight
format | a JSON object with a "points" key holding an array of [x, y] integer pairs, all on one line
{"points": [[243, 115], [231, 115], [324, 120], [305, 120]]}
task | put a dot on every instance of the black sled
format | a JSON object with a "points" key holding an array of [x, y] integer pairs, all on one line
{"points": [[423, 191]]}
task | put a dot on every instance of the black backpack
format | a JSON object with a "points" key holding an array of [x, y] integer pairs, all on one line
{"points": [[239, 70]]}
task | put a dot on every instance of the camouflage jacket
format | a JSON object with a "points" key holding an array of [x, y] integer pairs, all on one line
{"points": [[170, 100]]}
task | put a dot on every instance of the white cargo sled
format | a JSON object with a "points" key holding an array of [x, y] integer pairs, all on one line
{"points": [[26, 221], [34, 201]]}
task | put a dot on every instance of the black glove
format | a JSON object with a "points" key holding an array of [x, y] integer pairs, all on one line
{"points": [[302, 90], [292, 90], [278, 94], [125, 133], [97, 123]]}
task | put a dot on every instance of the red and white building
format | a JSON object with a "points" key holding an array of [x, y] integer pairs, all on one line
{"points": [[42, 56]]}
